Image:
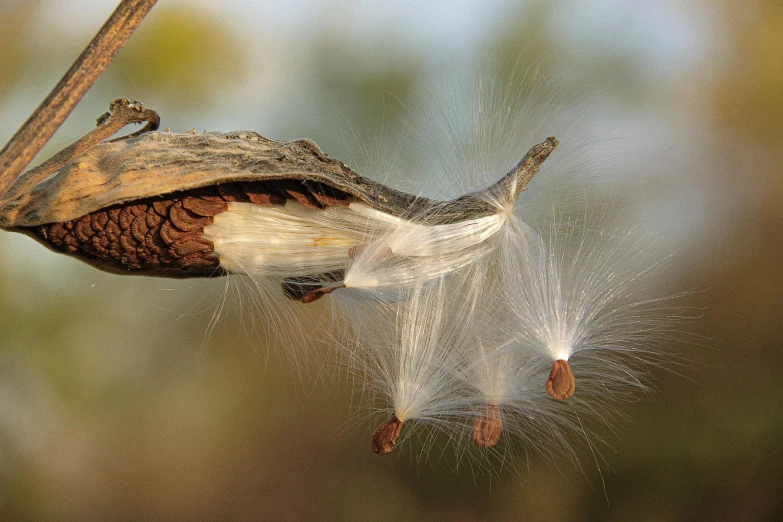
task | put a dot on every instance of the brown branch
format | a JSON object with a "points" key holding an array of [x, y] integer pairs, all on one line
{"points": [[47, 118]]}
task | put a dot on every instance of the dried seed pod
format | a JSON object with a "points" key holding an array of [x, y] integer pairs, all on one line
{"points": [[116, 181], [488, 427], [384, 439], [561, 382]]}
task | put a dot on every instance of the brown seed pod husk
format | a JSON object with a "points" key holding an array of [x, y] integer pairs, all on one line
{"points": [[188, 178], [385, 437], [561, 382], [153, 164], [488, 427]]}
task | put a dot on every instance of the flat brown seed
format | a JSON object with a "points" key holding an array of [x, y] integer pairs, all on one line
{"points": [[57, 232], [230, 192], [113, 231], [139, 227], [138, 210], [261, 194], [162, 206], [125, 218], [115, 249], [317, 294], [385, 437], [186, 220], [275, 190], [128, 242], [263, 198], [298, 191], [326, 195], [153, 242], [169, 233], [561, 382], [488, 427], [71, 243], [153, 218], [100, 243], [198, 261], [204, 207], [297, 288], [99, 221], [191, 245], [84, 229]]}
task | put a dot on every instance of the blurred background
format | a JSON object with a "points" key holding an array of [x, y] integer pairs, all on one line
{"points": [[116, 402]]}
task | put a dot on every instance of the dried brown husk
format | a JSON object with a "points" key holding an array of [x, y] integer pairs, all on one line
{"points": [[187, 178]]}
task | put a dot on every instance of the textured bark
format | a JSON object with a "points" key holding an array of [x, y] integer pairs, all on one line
{"points": [[141, 202]]}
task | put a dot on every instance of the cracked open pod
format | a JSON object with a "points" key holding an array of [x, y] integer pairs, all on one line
{"points": [[200, 205]]}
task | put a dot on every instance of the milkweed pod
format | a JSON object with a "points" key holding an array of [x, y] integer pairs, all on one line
{"points": [[78, 202]]}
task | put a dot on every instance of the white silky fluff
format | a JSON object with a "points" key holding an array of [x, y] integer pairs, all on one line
{"points": [[445, 319], [293, 240], [590, 290], [411, 357], [569, 274]]}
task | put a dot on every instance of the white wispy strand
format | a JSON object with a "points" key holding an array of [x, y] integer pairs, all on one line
{"points": [[412, 356], [287, 240], [532, 422], [500, 371], [293, 240], [414, 253]]}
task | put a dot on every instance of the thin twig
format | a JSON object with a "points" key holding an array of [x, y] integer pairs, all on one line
{"points": [[47, 118], [122, 112]]}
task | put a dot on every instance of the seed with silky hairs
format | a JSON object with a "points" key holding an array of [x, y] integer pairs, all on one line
{"points": [[561, 382], [488, 427], [385, 437]]}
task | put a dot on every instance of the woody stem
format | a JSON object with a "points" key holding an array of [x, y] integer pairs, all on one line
{"points": [[52, 112]]}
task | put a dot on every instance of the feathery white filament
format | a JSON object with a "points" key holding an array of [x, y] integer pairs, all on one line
{"points": [[294, 240], [288, 240], [411, 351]]}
